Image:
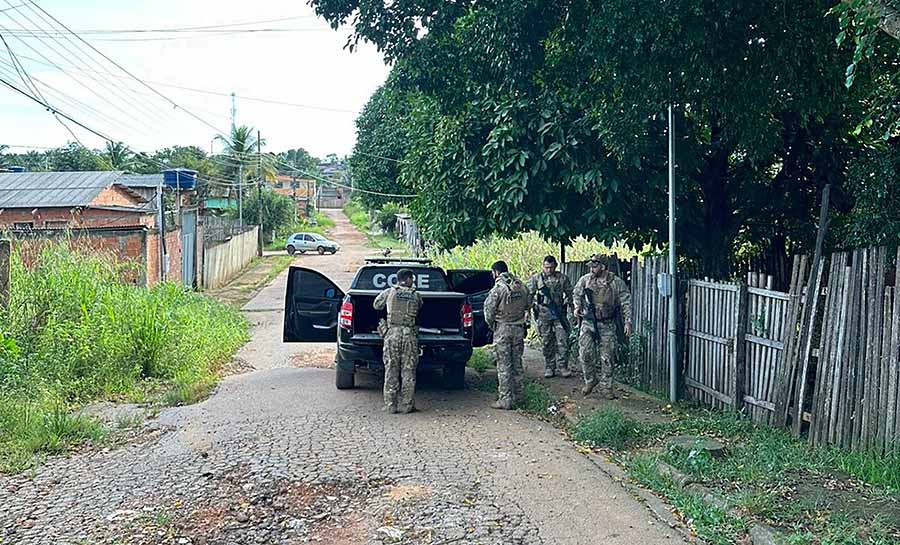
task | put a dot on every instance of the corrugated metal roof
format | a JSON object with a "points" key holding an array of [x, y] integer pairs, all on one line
{"points": [[141, 180], [52, 189]]}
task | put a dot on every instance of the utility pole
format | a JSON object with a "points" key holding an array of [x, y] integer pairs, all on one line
{"points": [[259, 184], [673, 307], [294, 188], [241, 194], [5, 251], [162, 232], [233, 113]]}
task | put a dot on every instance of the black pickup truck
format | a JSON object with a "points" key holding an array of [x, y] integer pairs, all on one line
{"points": [[450, 324]]}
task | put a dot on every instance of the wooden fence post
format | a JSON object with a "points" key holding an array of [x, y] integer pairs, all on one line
{"points": [[740, 347], [5, 249]]}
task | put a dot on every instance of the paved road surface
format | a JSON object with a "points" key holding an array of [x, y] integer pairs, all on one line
{"points": [[278, 455]]}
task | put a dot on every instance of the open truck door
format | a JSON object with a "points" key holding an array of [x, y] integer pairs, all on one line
{"points": [[312, 303], [475, 284]]}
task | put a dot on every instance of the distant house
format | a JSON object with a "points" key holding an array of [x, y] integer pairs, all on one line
{"points": [[108, 211]]}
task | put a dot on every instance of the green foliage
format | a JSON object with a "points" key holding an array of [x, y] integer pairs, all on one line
{"points": [[386, 217], [523, 253], [381, 143], [73, 333], [276, 214], [481, 360], [874, 185], [711, 523], [357, 215], [608, 428], [548, 116], [536, 399]]}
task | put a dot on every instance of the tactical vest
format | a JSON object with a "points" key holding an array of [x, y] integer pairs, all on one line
{"points": [[513, 307], [402, 306], [553, 285], [606, 300]]}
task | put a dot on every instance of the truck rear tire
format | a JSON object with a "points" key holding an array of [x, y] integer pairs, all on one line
{"points": [[454, 376], [344, 380]]}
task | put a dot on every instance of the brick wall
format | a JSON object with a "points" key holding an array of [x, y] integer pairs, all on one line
{"points": [[115, 196], [126, 246], [69, 218], [173, 250]]}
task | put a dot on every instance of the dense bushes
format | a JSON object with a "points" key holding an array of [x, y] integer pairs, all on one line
{"points": [[73, 333]]}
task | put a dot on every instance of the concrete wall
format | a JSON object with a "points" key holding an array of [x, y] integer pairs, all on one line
{"points": [[224, 261]]}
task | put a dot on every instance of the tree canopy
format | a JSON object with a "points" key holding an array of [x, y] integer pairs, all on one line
{"points": [[537, 114]]}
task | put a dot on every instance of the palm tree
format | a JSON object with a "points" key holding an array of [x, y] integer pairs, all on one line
{"points": [[240, 150], [117, 156]]}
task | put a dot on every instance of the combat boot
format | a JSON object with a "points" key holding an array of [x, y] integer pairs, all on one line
{"points": [[588, 388], [501, 405], [390, 409], [548, 373], [565, 373]]}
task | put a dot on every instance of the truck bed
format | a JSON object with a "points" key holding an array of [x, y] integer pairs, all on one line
{"points": [[440, 315]]}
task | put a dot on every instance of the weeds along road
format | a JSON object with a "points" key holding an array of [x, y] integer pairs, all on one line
{"points": [[278, 455]]}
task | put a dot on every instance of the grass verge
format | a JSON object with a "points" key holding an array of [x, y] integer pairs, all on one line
{"points": [[357, 216], [323, 223], [73, 333]]}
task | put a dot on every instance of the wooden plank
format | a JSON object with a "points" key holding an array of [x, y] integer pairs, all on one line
{"points": [[761, 403], [768, 352], [881, 433], [709, 391], [838, 357], [738, 349], [827, 342], [862, 341], [717, 286], [847, 403], [769, 293], [784, 380], [874, 352], [707, 337], [807, 331], [892, 417]]}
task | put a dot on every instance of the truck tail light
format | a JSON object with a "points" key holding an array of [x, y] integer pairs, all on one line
{"points": [[345, 318], [468, 319]]}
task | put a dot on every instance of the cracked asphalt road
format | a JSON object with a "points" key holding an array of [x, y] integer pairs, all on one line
{"points": [[456, 472]]}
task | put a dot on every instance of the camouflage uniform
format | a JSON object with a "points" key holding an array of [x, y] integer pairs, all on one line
{"points": [[506, 313], [401, 346], [598, 352], [554, 339]]}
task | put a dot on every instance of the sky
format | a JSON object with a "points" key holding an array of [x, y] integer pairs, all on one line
{"points": [[308, 67]]}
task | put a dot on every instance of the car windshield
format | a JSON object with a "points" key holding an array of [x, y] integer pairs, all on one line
{"points": [[318, 237]]}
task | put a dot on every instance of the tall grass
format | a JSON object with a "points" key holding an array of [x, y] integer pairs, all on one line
{"points": [[357, 216], [523, 253], [73, 333]]}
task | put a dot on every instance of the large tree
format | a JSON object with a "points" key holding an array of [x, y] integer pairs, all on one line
{"points": [[536, 114]]}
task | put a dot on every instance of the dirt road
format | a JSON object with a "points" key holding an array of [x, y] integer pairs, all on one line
{"points": [[278, 455]]}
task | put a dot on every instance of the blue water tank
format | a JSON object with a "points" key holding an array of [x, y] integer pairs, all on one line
{"points": [[180, 178]]}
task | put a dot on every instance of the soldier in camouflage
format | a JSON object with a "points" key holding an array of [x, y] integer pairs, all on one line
{"points": [[552, 293], [597, 345], [401, 342], [506, 313]]}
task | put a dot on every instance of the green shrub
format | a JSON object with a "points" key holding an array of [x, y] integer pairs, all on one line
{"points": [[357, 215], [608, 428], [386, 217], [73, 333], [536, 398], [481, 360], [523, 253]]}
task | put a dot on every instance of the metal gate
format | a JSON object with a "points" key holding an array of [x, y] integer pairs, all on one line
{"points": [[713, 332], [188, 247]]}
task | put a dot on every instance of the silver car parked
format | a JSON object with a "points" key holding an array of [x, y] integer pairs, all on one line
{"points": [[308, 242]]}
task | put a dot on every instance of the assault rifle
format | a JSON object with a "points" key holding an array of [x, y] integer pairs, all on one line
{"points": [[544, 299], [591, 311]]}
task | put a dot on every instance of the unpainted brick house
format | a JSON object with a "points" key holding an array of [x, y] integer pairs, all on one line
{"points": [[107, 211]]}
